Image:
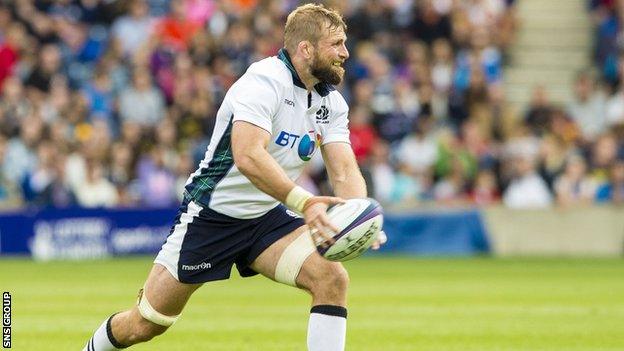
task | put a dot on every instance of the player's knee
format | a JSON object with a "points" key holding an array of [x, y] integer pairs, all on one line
{"points": [[340, 278], [332, 280], [148, 322]]}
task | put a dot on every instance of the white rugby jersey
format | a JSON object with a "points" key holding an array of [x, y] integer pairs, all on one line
{"points": [[271, 96]]}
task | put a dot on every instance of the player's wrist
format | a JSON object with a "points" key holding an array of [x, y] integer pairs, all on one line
{"points": [[312, 201], [297, 198]]}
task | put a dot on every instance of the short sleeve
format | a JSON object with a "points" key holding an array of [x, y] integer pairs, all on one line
{"points": [[338, 129], [255, 99]]}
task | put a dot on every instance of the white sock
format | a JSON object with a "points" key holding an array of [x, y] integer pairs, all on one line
{"points": [[101, 339], [327, 328]]}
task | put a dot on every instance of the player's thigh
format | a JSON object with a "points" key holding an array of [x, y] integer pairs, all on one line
{"points": [[266, 262], [314, 270], [167, 295]]}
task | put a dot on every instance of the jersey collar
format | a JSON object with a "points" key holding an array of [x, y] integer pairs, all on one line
{"points": [[322, 88]]}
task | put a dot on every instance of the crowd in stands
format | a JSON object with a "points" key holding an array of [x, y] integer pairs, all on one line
{"points": [[112, 103]]}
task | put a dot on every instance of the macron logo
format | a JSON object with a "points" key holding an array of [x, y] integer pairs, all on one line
{"points": [[196, 267], [292, 214]]}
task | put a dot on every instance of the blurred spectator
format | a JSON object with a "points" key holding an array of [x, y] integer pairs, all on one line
{"points": [[46, 184], [380, 74], [48, 66], [406, 188], [93, 145], [574, 187], [100, 98], [371, 17], [603, 154], [537, 117], [430, 23], [57, 102], [10, 45], [362, 134], [485, 191], [465, 99], [13, 106], [199, 11], [133, 29], [59, 193], [442, 65], [587, 107], [238, 47], [166, 139], [481, 58], [563, 127], [477, 146], [484, 12], [498, 116], [613, 190], [156, 182], [418, 152], [184, 167], [452, 187], [452, 155], [37, 181], [553, 154], [396, 125], [394, 187], [381, 171], [20, 157], [141, 103], [10, 195], [95, 190], [615, 103], [527, 189], [132, 133], [122, 172], [175, 30], [607, 21]]}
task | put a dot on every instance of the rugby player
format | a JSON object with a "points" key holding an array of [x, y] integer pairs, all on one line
{"points": [[242, 207]]}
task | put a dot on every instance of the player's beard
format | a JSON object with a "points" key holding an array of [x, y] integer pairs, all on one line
{"points": [[324, 71]]}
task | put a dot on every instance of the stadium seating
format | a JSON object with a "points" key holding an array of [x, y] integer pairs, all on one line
{"points": [[112, 104]]}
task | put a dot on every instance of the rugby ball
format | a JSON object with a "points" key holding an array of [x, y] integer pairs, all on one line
{"points": [[359, 222]]}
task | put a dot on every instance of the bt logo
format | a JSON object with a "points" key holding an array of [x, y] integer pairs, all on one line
{"points": [[307, 143], [284, 138]]}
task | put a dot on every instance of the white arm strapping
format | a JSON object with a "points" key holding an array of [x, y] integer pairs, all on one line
{"points": [[297, 198]]}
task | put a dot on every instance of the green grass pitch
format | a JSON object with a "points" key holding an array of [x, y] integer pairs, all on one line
{"points": [[395, 304]]}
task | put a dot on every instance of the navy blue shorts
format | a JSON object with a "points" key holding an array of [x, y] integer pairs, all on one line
{"points": [[204, 244]]}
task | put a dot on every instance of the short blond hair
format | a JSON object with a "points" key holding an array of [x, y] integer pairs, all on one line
{"points": [[310, 22]]}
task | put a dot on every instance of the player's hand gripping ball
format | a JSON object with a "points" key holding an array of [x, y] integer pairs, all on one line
{"points": [[359, 221]]}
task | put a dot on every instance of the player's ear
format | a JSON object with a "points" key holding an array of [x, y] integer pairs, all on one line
{"points": [[306, 49]]}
